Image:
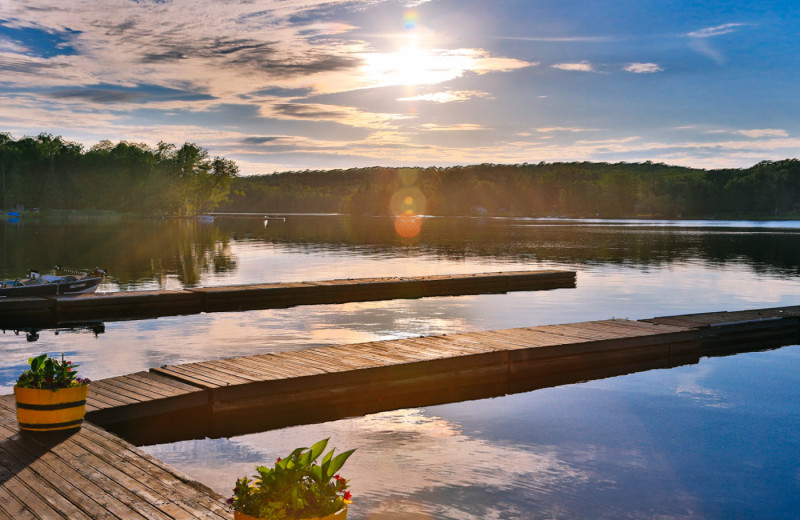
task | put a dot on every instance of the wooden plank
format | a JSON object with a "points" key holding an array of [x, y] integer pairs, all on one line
{"points": [[325, 363], [234, 376], [167, 383], [150, 388], [354, 362], [116, 387], [247, 367], [297, 367], [77, 487], [102, 394], [164, 491], [265, 364], [192, 375]]}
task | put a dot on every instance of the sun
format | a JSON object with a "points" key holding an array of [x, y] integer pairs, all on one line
{"points": [[410, 65]]}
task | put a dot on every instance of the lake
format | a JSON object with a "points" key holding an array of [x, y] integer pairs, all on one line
{"points": [[713, 440]]}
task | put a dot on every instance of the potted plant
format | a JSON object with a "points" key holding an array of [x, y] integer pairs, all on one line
{"points": [[295, 487], [50, 396]]}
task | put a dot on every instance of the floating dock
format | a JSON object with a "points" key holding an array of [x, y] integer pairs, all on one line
{"points": [[50, 311], [226, 397], [95, 474]]}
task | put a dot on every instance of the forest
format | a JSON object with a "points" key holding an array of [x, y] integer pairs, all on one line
{"points": [[48, 172], [585, 189]]}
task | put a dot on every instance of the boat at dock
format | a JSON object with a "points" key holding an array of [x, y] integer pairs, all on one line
{"points": [[71, 281]]}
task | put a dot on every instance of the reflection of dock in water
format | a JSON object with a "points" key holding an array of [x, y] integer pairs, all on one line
{"points": [[19, 312], [32, 333]]}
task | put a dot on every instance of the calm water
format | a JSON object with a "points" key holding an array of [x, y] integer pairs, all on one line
{"points": [[713, 440]]}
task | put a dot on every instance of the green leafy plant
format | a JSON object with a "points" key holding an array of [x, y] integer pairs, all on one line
{"points": [[49, 373], [296, 487]]}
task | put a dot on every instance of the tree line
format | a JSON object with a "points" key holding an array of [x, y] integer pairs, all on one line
{"points": [[576, 189], [51, 173]]}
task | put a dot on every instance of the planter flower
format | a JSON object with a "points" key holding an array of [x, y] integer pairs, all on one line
{"points": [[295, 488], [50, 396]]}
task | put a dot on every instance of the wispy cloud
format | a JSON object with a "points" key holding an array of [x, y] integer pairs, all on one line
{"points": [[464, 127], [764, 132], [643, 68], [583, 66], [448, 96], [718, 30], [339, 114], [551, 129]]}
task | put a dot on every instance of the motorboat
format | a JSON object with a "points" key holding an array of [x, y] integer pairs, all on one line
{"points": [[72, 281]]}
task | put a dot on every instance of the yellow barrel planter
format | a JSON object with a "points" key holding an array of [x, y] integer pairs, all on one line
{"points": [[338, 515], [42, 410]]}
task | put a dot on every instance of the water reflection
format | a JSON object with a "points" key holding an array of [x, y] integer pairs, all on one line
{"points": [[715, 441], [147, 254], [637, 446], [34, 333]]}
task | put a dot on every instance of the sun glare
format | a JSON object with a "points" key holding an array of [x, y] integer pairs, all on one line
{"points": [[410, 65]]}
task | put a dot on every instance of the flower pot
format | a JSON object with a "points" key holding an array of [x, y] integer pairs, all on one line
{"points": [[42, 410], [338, 515]]}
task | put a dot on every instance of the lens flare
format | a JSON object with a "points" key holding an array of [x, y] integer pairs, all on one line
{"points": [[408, 199], [407, 204], [408, 225], [410, 20]]}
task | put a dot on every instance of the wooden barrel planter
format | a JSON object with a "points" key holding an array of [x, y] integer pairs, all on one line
{"points": [[41, 410]]}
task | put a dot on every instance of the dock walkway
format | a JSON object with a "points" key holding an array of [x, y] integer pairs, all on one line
{"points": [[51, 310], [94, 474]]}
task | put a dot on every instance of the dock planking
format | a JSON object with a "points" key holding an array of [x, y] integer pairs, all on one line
{"points": [[50, 311], [381, 375], [92, 474], [324, 383]]}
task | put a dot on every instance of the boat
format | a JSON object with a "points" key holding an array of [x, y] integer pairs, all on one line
{"points": [[71, 282]]}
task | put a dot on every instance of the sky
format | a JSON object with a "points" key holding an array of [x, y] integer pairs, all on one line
{"points": [[282, 85]]}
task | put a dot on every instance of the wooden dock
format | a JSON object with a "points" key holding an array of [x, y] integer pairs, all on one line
{"points": [[225, 397], [50, 311], [94, 474]]}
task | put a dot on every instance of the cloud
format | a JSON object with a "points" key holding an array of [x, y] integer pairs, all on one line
{"points": [[448, 96], [643, 68], [432, 127], [583, 66], [335, 113], [259, 139], [700, 40], [719, 30], [550, 129], [419, 66], [765, 132]]}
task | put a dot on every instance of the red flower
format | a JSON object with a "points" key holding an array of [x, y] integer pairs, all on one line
{"points": [[347, 495]]}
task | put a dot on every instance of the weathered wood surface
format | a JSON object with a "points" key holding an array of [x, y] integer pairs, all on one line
{"points": [[92, 474], [729, 332], [429, 365], [141, 395], [332, 382], [47, 311]]}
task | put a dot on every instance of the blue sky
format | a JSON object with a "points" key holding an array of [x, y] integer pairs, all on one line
{"points": [[281, 85]]}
